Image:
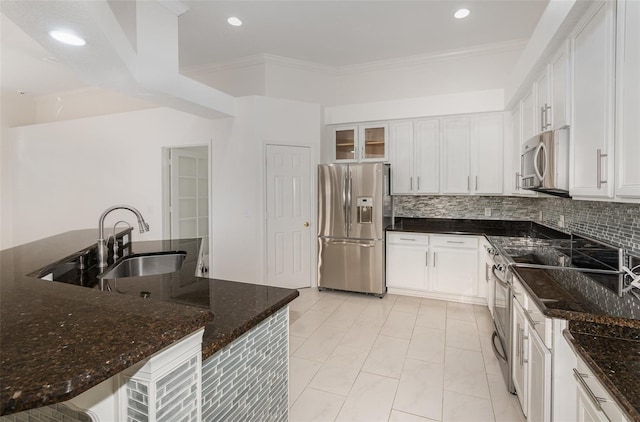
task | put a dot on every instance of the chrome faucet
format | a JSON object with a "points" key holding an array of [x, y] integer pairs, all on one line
{"points": [[102, 246]]}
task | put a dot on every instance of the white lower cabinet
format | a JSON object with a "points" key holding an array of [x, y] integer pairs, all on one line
{"points": [[539, 385], [407, 260], [520, 333], [593, 401], [531, 358], [585, 409], [436, 266], [455, 271]]}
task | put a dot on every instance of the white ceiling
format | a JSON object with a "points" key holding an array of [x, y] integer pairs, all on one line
{"points": [[330, 32], [27, 66]]}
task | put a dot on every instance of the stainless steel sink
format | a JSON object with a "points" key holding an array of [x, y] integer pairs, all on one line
{"points": [[145, 264]]}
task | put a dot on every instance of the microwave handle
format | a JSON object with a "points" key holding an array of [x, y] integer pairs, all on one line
{"points": [[542, 148]]}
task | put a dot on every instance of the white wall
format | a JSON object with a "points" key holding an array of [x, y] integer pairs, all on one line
{"points": [[237, 79], [238, 179], [85, 102], [66, 173], [475, 71], [15, 110], [435, 105]]}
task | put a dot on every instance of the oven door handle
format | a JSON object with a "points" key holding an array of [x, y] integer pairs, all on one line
{"points": [[495, 349], [493, 270]]}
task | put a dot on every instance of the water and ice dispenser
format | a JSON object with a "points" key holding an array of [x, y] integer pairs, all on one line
{"points": [[365, 209]]}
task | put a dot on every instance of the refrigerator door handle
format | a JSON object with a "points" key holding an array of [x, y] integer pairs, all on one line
{"points": [[345, 206], [349, 210], [362, 243]]}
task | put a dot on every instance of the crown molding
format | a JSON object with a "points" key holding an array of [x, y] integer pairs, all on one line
{"points": [[421, 59], [407, 61]]}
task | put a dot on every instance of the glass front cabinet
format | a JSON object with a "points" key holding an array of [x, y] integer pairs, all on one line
{"points": [[361, 143]]}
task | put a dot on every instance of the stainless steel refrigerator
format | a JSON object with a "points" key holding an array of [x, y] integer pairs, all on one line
{"points": [[354, 207]]}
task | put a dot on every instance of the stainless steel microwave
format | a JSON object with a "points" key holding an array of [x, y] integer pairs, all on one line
{"points": [[544, 163]]}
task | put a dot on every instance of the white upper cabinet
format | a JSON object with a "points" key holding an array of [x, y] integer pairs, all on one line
{"points": [[486, 152], [401, 156], [592, 126], [449, 155], [472, 154], [373, 142], [427, 156], [628, 100], [514, 177], [559, 83], [528, 112], [345, 143], [455, 155], [415, 156], [543, 102], [361, 143]]}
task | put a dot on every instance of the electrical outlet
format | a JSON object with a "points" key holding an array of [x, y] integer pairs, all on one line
{"points": [[561, 221], [487, 212]]}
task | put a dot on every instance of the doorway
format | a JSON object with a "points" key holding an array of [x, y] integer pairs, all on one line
{"points": [[186, 195], [288, 226]]}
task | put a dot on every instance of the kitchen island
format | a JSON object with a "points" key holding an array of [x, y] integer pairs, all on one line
{"points": [[59, 340]]}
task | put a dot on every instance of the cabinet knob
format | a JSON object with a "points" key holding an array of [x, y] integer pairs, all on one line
{"points": [[306, 224]]}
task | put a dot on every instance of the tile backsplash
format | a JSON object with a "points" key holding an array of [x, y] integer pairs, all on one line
{"points": [[611, 222]]}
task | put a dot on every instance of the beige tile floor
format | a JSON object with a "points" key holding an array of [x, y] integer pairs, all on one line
{"points": [[361, 358]]}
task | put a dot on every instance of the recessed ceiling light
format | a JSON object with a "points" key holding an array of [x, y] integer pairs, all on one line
{"points": [[67, 37], [233, 21], [461, 13]]}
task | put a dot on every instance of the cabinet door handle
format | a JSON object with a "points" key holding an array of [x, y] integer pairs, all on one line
{"points": [[476, 183], [486, 272], [547, 109], [455, 241], [468, 185], [600, 156], [595, 399], [406, 238], [411, 183], [518, 342], [543, 123], [426, 259], [418, 183], [434, 259]]}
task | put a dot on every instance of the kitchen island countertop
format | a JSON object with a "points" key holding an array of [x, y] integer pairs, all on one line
{"points": [[57, 340]]}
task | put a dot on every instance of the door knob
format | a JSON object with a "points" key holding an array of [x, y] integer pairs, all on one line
{"points": [[306, 224]]}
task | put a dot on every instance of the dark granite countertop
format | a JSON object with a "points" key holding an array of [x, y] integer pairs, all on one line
{"points": [[57, 340], [613, 354], [511, 228]]}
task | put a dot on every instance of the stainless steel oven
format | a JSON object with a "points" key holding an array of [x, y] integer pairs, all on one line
{"points": [[501, 337]]}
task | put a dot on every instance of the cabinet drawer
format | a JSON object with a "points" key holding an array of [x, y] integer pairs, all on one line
{"points": [[456, 241], [403, 238], [518, 292], [539, 322], [597, 393]]}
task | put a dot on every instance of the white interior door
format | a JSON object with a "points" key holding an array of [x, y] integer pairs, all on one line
{"points": [[288, 216], [190, 194]]}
